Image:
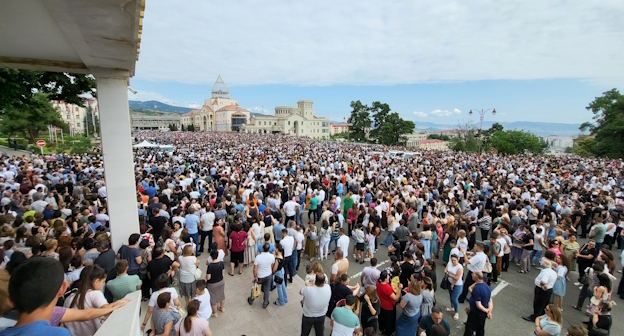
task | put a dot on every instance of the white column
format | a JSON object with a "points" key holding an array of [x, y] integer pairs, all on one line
{"points": [[118, 158]]}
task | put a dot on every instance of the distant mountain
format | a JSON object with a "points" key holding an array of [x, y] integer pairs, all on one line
{"points": [[158, 106], [537, 128]]}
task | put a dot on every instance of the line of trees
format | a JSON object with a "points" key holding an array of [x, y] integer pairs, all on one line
{"points": [[607, 129], [508, 142], [378, 124]]}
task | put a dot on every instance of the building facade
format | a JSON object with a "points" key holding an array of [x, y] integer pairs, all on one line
{"points": [[157, 122], [74, 115], [219, 113], [413, 139], [339, 128], [433, 144], [293, 120]]}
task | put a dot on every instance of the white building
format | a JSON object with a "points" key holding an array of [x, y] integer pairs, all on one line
{"points": [[74, 115], [413, 139], [559, 142], [339, 128], [157, 122], [219, 113], [294, 120]]}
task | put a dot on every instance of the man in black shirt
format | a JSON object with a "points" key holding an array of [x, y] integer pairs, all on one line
{"points": [[161, 264], [586, 256], [158, 224]]}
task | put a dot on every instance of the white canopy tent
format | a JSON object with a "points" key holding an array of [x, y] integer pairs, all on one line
{"points": [[145, 144]]}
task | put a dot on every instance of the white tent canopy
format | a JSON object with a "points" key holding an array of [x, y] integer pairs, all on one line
{"points": [[145, 144]]}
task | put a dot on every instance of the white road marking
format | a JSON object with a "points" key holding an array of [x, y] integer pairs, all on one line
{"points": [[500, 287], [360, 273]]}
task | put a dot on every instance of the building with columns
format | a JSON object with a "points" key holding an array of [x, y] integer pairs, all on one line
{"points": [[294, 120], [219, 113], [154, 122], [338, 128]]}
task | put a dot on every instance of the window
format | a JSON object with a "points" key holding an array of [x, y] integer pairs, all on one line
{"points": [[288, 122]]}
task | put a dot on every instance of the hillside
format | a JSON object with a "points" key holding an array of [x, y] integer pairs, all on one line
{"points": [[537, 128], [158, 106]]}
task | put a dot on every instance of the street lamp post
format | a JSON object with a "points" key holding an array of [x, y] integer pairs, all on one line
{"points": [[482, 113]]}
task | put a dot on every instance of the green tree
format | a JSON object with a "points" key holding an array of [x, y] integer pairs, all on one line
{"points": [[18, 87], [393, 130], [183, 128], [31, 119], [607, 127], [459, 146], [360, 121], [438, 137], [516, 142], [379, 112], [467, 135], [191, 128]]}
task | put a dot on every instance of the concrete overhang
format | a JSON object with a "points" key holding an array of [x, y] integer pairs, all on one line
{"points": [[80, 36]]}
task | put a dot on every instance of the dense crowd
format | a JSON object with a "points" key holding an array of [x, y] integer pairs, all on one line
{"points": [[273, 202]]}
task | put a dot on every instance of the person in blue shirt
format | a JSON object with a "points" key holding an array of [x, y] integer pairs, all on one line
{"points": [[277, 231], [192, 225], [339, 189], [267, 238], [481, 306], [34, 288]]}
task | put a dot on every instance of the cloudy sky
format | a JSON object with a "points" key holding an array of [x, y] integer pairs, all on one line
{"points": [[434, 61]]}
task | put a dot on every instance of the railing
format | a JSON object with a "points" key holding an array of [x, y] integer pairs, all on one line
{"points": [[125, 320]]}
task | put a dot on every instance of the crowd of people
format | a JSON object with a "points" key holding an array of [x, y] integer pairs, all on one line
{"points": [[277, 203]]}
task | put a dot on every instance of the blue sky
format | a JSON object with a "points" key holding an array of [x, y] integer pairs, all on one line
{"points": [[532, 60], [562, 101]]}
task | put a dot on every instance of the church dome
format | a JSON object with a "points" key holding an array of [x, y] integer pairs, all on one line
{"points": [[219, 89]]}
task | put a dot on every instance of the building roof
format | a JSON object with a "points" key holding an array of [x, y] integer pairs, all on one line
{"points": [[191, 113], [219, 89], [430, 141], [341, 124], [207, 107]]}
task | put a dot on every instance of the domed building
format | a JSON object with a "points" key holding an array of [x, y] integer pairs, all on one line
{"points": [[222, 114], [219, 113]]}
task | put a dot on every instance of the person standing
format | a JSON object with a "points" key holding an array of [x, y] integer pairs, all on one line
{"points": [[192, 225], [475, 264], [343, 321], [407, 324], [544, 283], [263, 270], [289, 244], [207, 222], [481, 306], [315, 303], [455, 271], [387, 302]]}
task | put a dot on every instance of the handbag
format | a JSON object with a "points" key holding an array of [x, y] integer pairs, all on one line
{"points": [[256, 290], [250, 241], [313, 236], [445, 284], [198, 273], [488, 267], [278, 280]]}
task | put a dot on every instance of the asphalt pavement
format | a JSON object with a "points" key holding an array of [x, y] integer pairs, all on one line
{"points": [[512, 296]]}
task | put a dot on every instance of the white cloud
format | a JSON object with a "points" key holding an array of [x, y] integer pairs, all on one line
{"points": [[456, 111], [420, 114], [441, 113], [322, 43]]}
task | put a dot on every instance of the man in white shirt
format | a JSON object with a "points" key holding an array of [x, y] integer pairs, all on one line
{"points": [[475, 264], [288, 243], [207, 222], [544, 283], [300, 244], [39, 205], [290, 209], [343, 242], [203, 296], [315, 304], [263, 270]]}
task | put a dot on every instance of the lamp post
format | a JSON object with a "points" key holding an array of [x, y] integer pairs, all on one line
{"points": [[482, 113]]}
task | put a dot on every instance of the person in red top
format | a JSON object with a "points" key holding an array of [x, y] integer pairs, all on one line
{"points": [[387, 302], [237, 246]]}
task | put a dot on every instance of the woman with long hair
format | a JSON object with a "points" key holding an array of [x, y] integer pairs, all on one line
{"points": [[250, 243], [559, 288], [88, 294], [219, 236], [450, 234], [191, 325], [550, 323], [407, 324], [370, 308], [278, 271], [188, 268], [454, 270]]}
